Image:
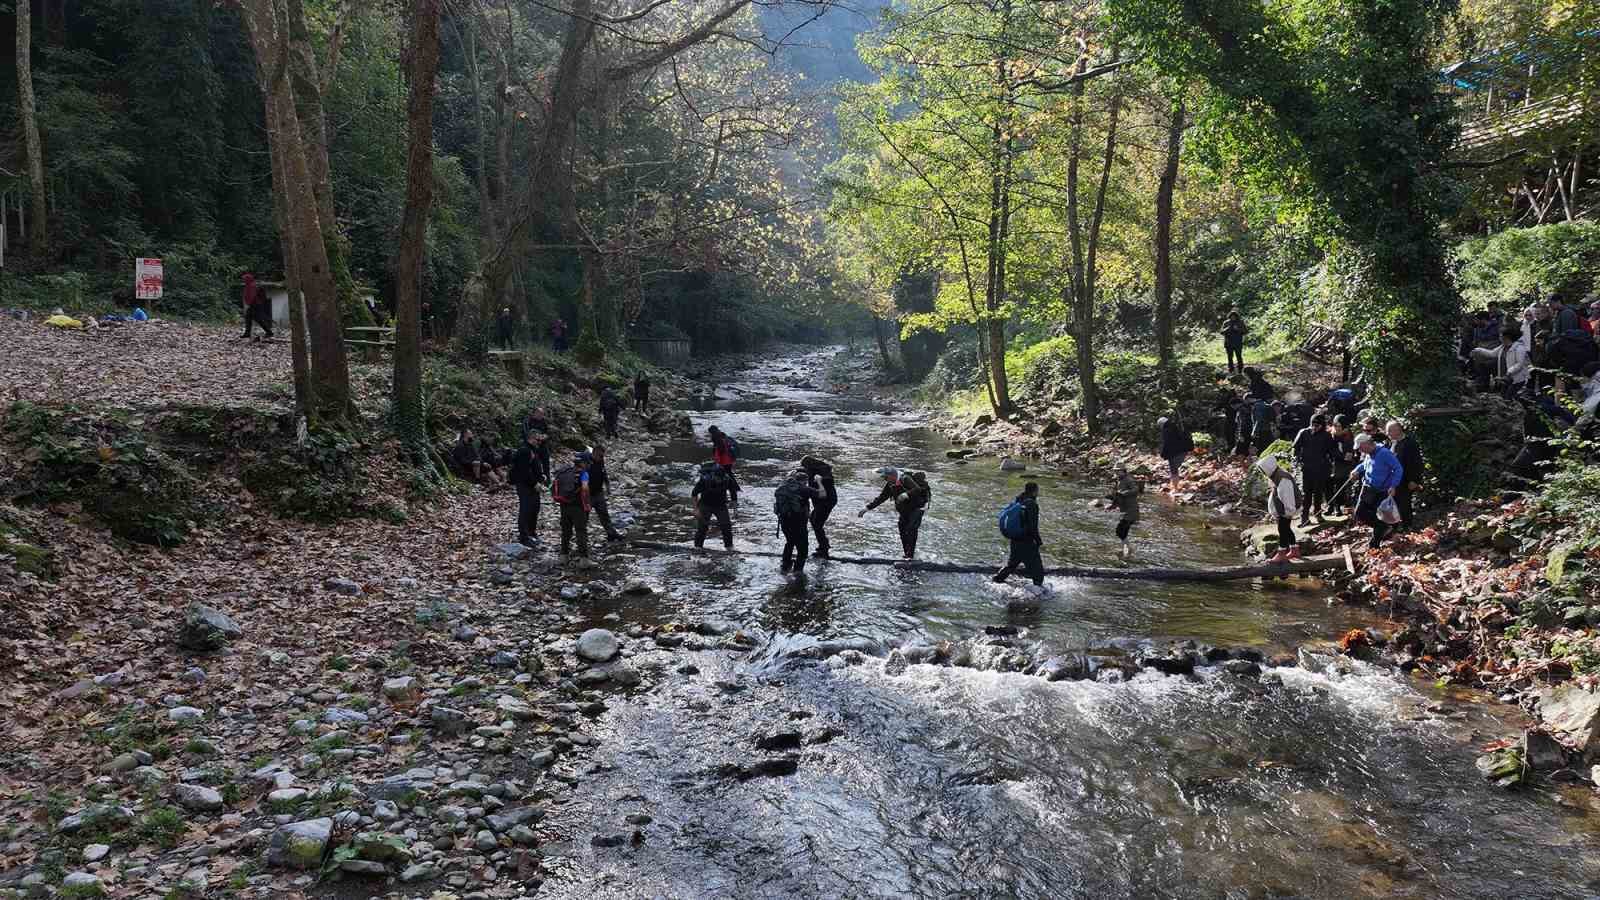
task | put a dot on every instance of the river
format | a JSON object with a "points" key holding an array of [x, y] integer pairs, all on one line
{"points": [[1352, 782]]}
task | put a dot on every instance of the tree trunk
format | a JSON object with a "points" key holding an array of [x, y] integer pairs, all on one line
{"points": [[38, 228], [422, 65], [883, 342], [303, 397], [1163, 239], [330, 373]]}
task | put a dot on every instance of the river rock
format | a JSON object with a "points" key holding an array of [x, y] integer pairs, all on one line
{"points": [[449, 721], [364, 867], [186, 714], [1541, 752], [895, 664], [338, 715], [638, 587], [197, 798], [401, 688], [300, 845], [419, 872], [1244, 668], [597, 645], [1007, 464], [205, 629], [99, 817], [505, 820], [512, 551], [95, 852], [83, 884], [1573, 711]]}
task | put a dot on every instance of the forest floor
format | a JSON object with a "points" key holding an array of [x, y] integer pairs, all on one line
{"points": [[1490, 593], [387, 700]]}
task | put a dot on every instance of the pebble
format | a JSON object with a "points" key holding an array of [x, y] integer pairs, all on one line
{"points": [[419, 872], [340, 716], [597, 645], [95, 852], [83, 884], [186, 714], [385, 811], [197, 798]]}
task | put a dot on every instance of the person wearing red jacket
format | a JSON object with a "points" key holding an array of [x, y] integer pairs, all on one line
{"points": [[257, 309], [724, 454]]}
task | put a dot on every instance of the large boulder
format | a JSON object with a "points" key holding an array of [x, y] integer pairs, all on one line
{"points": [[1573, 712], [300, 845], [597, 645], [205, 629]]}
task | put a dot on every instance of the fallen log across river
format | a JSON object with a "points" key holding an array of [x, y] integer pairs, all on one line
{"points": [[1304, 566]]}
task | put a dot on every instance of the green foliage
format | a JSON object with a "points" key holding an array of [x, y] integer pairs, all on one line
{"points": [[321, 480], [162, 826], [1521, 264], [589, 349], [140, 492]]}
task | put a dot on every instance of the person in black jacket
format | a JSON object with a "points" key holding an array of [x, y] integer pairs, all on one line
{"points": [[505, 329], [599, 480], [1242, 418], [610, 410], [527, 476], [641, 392], [1233, 332], [910, 494], [821, 472], [1025, 549], [1316, 451], [1176, 445], [1345, 458], [791, 503], [537, 422], [711, 500], [1259, 388], [1411, 465]]}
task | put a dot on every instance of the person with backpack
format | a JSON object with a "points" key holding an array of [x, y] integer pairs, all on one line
{"points": [[641, 392], [610, 410], [1176, 445], [1282, 503], [821, 472], [791, 503], [911, 495], [710, 496], [599, 481], [1315, 450], [1125, 497], [257, 307], [526, 476], [1263, 425], [1233, 331], [570, 489], [1344, 463], [1019, 524], [725, 450]]}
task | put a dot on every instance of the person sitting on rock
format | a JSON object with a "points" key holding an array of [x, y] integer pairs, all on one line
{"points": [[710, 497], [468, 462]]}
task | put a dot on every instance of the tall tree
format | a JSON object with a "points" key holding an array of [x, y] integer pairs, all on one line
{"points": [[422, 64], [1336, 103], [1163, 236], [38, 226], [267, 22]]}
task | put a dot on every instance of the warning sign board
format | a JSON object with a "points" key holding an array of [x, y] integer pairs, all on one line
{"points": [[147, 278]]}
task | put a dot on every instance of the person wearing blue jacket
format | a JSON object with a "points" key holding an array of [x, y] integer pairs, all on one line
{"points": [[1381, 476]]}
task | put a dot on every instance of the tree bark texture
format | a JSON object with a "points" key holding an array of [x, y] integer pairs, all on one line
{"points": [[422, 65], [38, 226], [330, 374], [303, 397], [1163, 237]]}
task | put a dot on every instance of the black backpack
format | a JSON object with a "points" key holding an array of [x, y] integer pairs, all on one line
{"points": [[791, 499], [566, 485], [918, 493]]}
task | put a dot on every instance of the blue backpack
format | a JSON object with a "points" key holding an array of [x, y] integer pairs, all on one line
{"points": [[1011, 521]]}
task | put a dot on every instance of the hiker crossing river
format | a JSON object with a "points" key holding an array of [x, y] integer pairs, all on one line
{"points": [[828, 756]]}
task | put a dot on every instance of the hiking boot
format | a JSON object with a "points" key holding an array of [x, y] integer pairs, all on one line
{"points": [[1294, 553], [614, 536]]}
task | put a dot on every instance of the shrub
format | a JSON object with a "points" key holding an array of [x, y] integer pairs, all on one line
{"points": [[321, 480], [1520, 262]]}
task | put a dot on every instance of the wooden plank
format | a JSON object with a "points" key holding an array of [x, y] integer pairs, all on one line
{"points": [[1349, 563], [1304, 566], [385, 329], [380, 344]]}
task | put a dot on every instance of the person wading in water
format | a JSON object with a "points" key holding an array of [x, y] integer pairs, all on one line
{"points": [[911, 494]]}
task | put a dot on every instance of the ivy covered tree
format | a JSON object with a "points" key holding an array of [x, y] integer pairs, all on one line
{"points": [[1334, 106]]}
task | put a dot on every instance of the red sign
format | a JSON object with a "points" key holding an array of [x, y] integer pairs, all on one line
{"points": [[147, 278]]}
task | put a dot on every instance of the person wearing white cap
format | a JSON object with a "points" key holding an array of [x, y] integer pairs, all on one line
{"points": [[1381, 474], [1282, 503]]}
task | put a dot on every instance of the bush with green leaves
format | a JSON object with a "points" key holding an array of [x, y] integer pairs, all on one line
{"points": [[1519, 264], [321, 480], [141, 493]]}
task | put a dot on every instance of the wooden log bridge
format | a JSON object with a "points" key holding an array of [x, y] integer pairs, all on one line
{"points": [[1305, 566]]}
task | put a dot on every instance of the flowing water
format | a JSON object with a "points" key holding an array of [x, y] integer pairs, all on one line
{"points": [[955, 782]]}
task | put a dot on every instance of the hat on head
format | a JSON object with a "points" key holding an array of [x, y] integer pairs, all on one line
{"points": [[1161, 422], [889, 472], [1267, 465]]}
